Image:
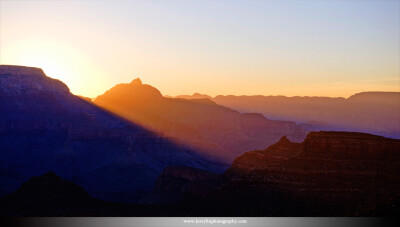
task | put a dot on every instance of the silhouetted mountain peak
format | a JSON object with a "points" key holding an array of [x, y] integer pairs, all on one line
{"points": [[136, 82], [284, 140], [47, 128], [130, 93], [197, 121]]}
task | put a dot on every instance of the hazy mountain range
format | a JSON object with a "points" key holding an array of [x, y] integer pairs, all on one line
{"points": [[371, 112], [199, 123]]}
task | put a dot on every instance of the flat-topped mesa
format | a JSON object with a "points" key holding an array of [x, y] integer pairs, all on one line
{"points": [[375, 97], [343, 135], [350, 144], [323, 145], [23, 70], [132, 93], [21, 78]]}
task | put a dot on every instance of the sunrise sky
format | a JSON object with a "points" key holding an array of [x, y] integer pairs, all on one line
{"points": [[314, 48]]}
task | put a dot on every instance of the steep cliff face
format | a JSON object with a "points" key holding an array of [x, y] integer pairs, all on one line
{"points": [[199, 123], [346, 172], [320, 147], [43, 127], [328, 174]]}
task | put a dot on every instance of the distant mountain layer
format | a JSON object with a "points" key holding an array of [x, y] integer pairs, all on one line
{"points": [[371, 112], [328, 174], [201, 124], [43, 127], [194, 96]]}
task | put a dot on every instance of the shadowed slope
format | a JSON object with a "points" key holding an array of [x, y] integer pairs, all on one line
{"points": [[328, 174], [44, 127]]}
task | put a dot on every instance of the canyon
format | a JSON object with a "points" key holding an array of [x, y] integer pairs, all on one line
{"points": [[43, 127], [328, 174], [134, 152]]}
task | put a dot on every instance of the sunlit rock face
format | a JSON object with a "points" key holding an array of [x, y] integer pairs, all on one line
{"points": [[44, 127], [198, 123]]}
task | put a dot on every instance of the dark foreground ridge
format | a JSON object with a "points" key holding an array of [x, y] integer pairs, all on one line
{"points": [[328, 174], [50, 195]]}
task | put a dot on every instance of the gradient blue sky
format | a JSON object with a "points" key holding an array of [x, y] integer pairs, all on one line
{"points": [[315, 48]]}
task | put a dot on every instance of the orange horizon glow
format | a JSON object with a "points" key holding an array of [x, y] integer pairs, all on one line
{"points": [[218, 49]]}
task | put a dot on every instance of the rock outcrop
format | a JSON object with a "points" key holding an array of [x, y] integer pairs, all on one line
{"points": [[323, 150], [344, 172], [25, 79]]}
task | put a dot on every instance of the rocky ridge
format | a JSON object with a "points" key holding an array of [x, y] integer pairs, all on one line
{"points": [[43, 127], [328, 174], [198, 123]]}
